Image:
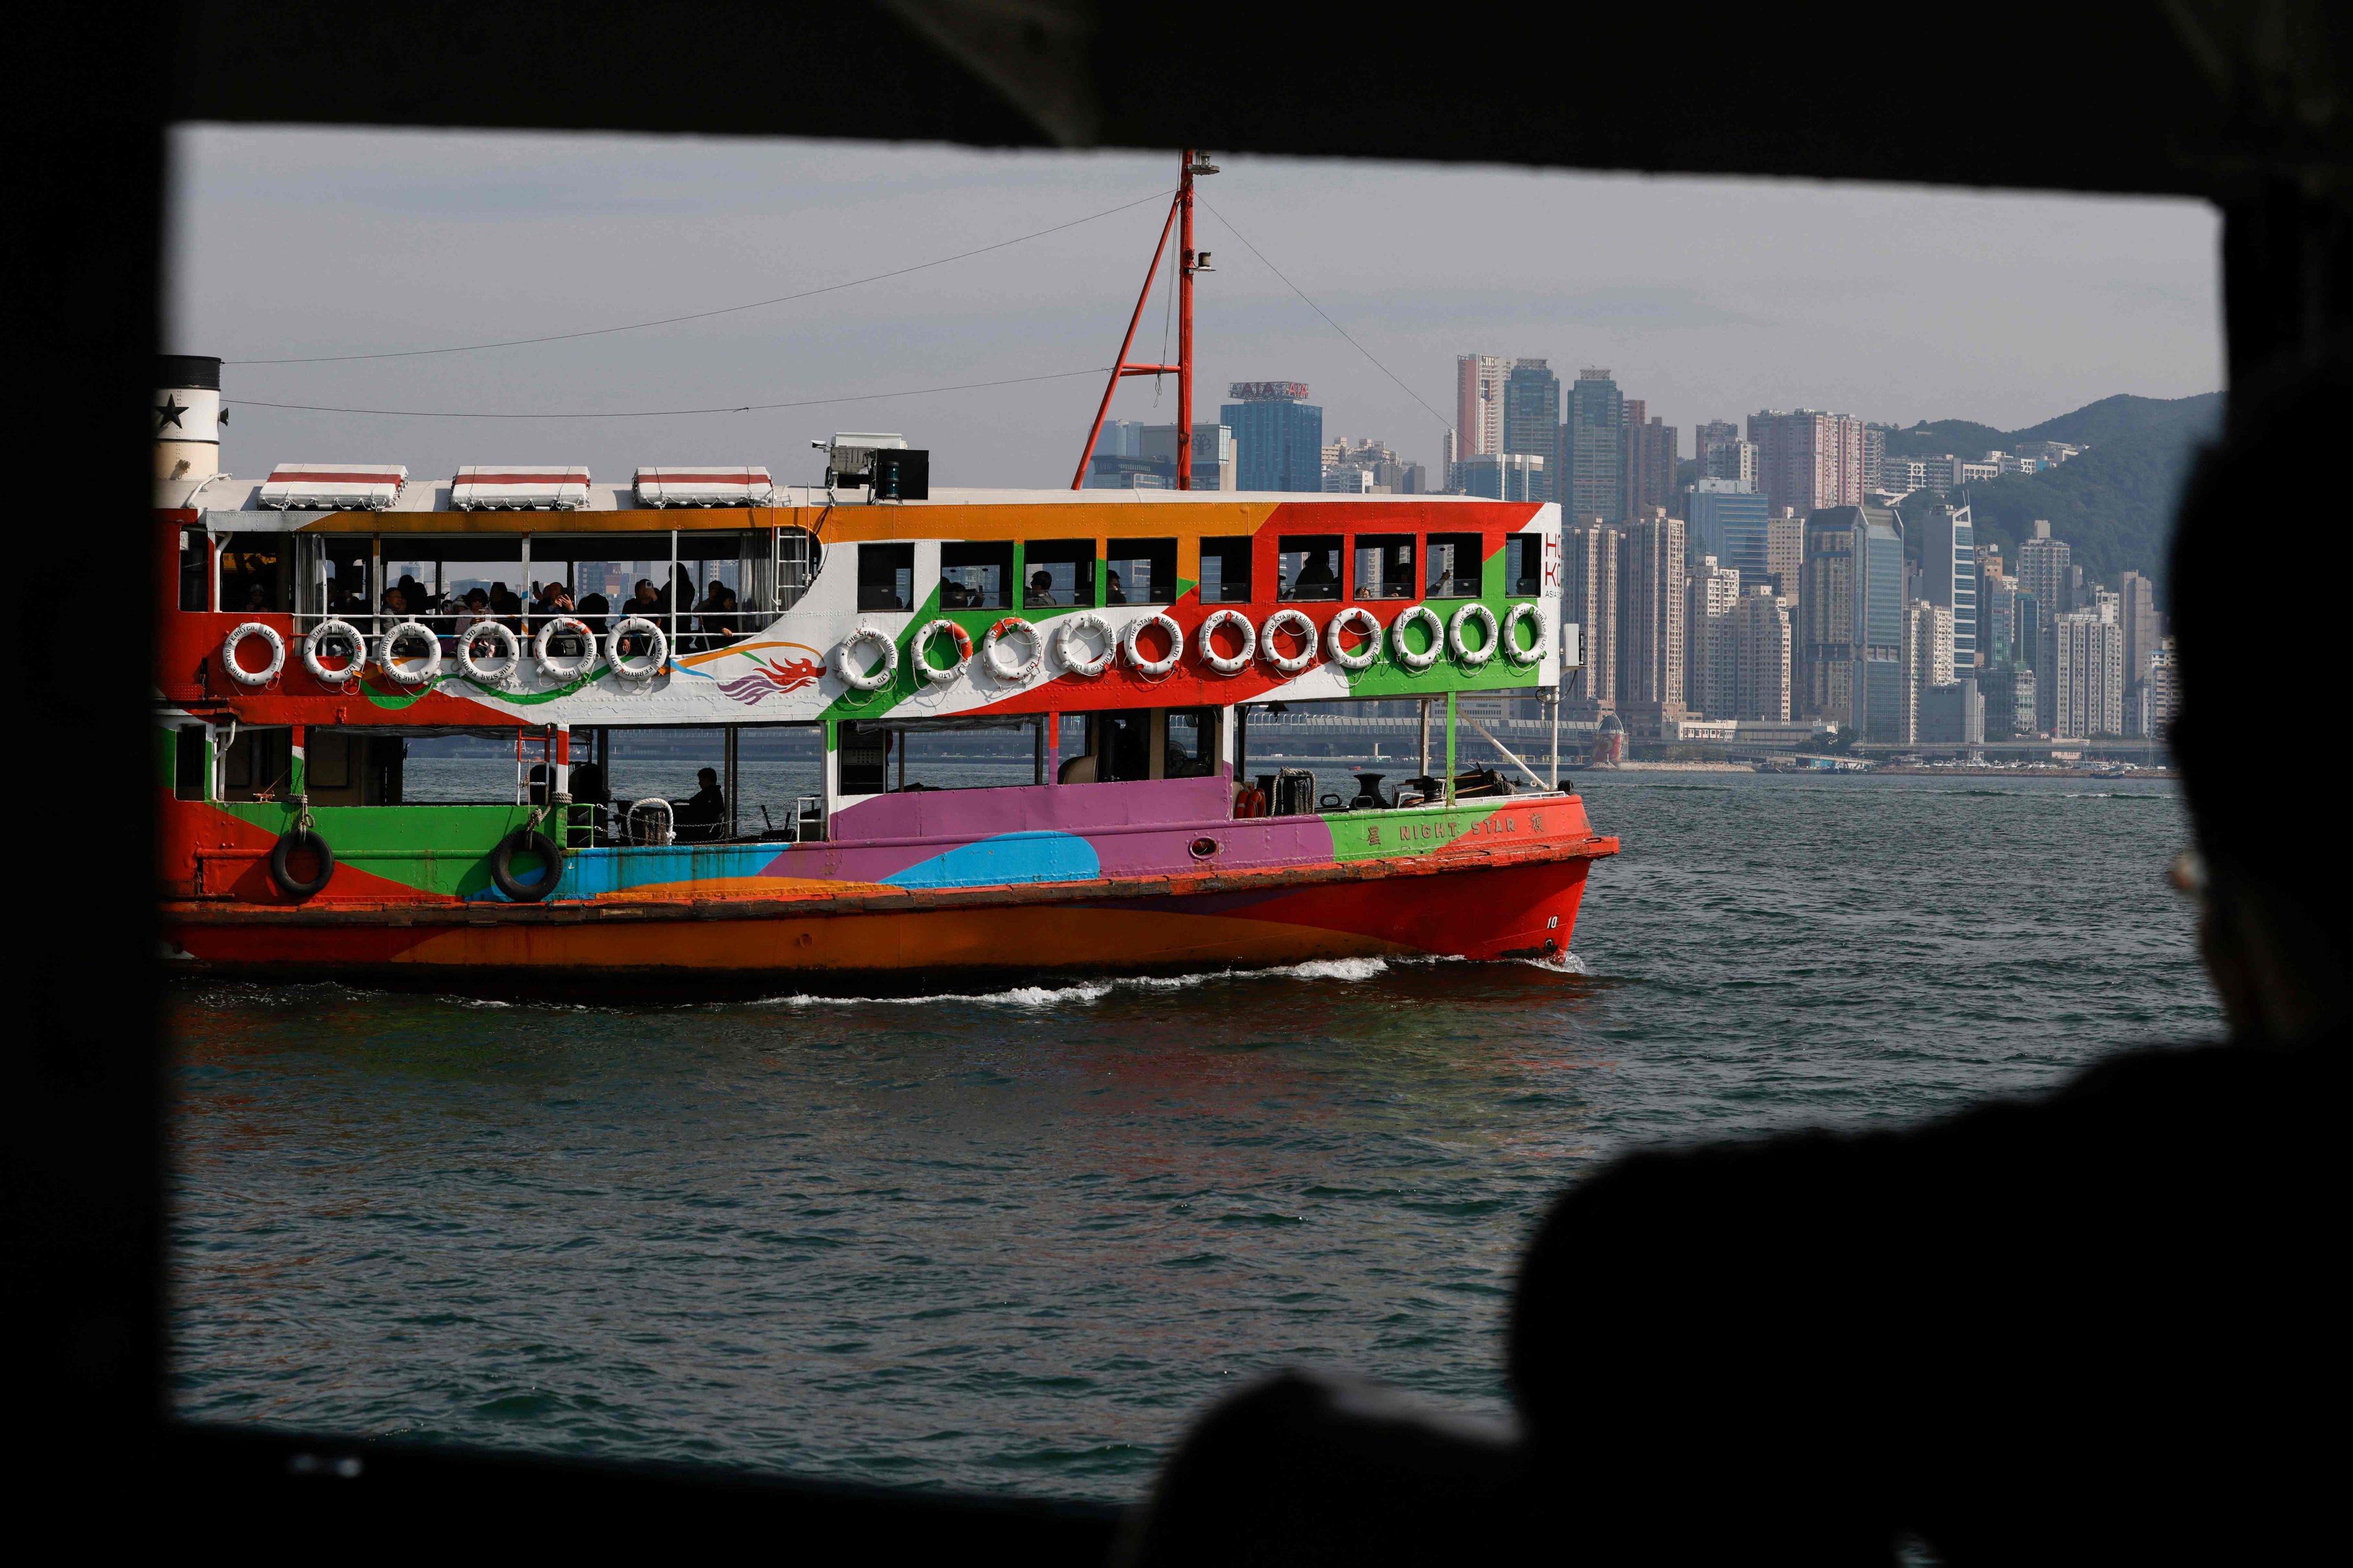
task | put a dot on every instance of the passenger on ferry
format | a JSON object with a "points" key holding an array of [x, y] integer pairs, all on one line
{"points": [[702, 816], [1040, 593], [396, 603], [1114, 593], [593, 610], [713, 615], [553, 599], [645, 601]]}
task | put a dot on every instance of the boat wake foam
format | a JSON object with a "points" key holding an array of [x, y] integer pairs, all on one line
{"points": [[1347, 969]]}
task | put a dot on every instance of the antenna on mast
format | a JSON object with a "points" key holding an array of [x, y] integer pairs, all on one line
{"points": [[1180, 217]]}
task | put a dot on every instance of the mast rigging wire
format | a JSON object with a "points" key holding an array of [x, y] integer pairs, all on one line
{"points": [[671, 413], [702, 315], [1319, 310]]}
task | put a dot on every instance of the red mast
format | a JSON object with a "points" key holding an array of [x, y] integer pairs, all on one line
{"points": [[1190, 262]]}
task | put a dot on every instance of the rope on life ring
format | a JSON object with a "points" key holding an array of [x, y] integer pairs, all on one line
{"points": [[654, 658], [237, 671], [881, 675], [547, 660], [1218, 661], [509, 655], [1297, 620], [421, 674], [1012, 626], [1363, 620], [1415, 663], [937, 673], [1084, 623], [314, 649], [1472, 658], [1133, 649], [1532, 654]]}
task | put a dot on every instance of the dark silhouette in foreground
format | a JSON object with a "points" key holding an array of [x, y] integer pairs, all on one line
{"points": [[2087, 1326]]}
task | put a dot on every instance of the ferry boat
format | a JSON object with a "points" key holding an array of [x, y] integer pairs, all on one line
{"points": [[1131, 633]]}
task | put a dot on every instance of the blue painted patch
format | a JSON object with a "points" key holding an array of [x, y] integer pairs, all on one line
{"points": [[1007, 858]]}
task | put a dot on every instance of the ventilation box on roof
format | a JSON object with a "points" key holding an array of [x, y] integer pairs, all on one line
{"points": [[492, 485], [705, 486], [333, 487]]}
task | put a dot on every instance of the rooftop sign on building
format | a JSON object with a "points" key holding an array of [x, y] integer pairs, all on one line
{"points": [[1268, 391]]}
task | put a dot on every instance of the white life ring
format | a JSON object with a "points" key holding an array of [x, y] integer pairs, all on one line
{"points": [[237, 671], [410, 675], [653, 658], [932, 673], [1532, 654], [1363, 619], [549, 664], [1218, 661], [503, 663], [1010, 626], [1472, 658], [313, 645], [1415, 663], [1082, 624], [883, 674], [1155, 667], [1298, 621]]}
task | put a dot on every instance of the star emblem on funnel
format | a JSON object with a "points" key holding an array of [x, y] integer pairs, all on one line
{"points": [[168, 412]]}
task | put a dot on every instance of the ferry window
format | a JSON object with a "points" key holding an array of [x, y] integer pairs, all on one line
{"points": [[259, 764], [598, 573], [192, 758], [977, 576], [1308, 565], [1189, 743], [1524, 561], [1058, 573], [1384, 566], [1141, 571], [436, 578], [195, 569], [1226, 570], [862, 760], [1454, 566], [886, 576], [1121, 744], [335, 573], [256, 576], [723, 568]]}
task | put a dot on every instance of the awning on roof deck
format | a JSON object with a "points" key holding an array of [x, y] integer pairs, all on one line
{"points": [[564, 487], [705, 486], [332, 487]]}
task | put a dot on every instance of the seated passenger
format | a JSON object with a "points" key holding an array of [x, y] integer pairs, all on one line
{"points": [[702, 816], [955, 595], [714, 621], [475, 609], [1114, 593], [395, 603], [1039, 595], [1316, 579], [593, 610]]}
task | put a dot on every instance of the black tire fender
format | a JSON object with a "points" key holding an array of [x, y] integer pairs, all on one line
{"points": [[282, 870], [522, 841]]}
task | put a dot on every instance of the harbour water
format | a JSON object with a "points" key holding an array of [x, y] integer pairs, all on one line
{"points": [[1013, 1240]]}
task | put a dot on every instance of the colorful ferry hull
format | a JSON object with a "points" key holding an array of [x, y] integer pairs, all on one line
{"points": [[1148, 873]]}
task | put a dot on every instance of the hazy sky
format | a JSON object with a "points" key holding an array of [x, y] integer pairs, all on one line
{"points": [[1710, 298]]}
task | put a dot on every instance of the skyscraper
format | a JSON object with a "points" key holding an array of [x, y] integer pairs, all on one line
{"points": [[1532, 420], [1593, 447], [1851, 621], [1710, 672], [2080, 683], [1874, 459], [1760, 657], [1651, 601], [1650, 458], [1478, 406], [2044, 569], [1729, 523], [1927, 657], [1785, 551], [1278, 435], [1808, 459], [1706, 438], [2136, 612], [1948, 577], [1997, 618], [1588, 554]]}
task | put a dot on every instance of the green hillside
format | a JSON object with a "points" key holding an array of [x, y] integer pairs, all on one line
{"points": [[2113, 504]]}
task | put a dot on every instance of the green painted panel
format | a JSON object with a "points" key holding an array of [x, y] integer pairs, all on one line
{"points": [[440, 849]]}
